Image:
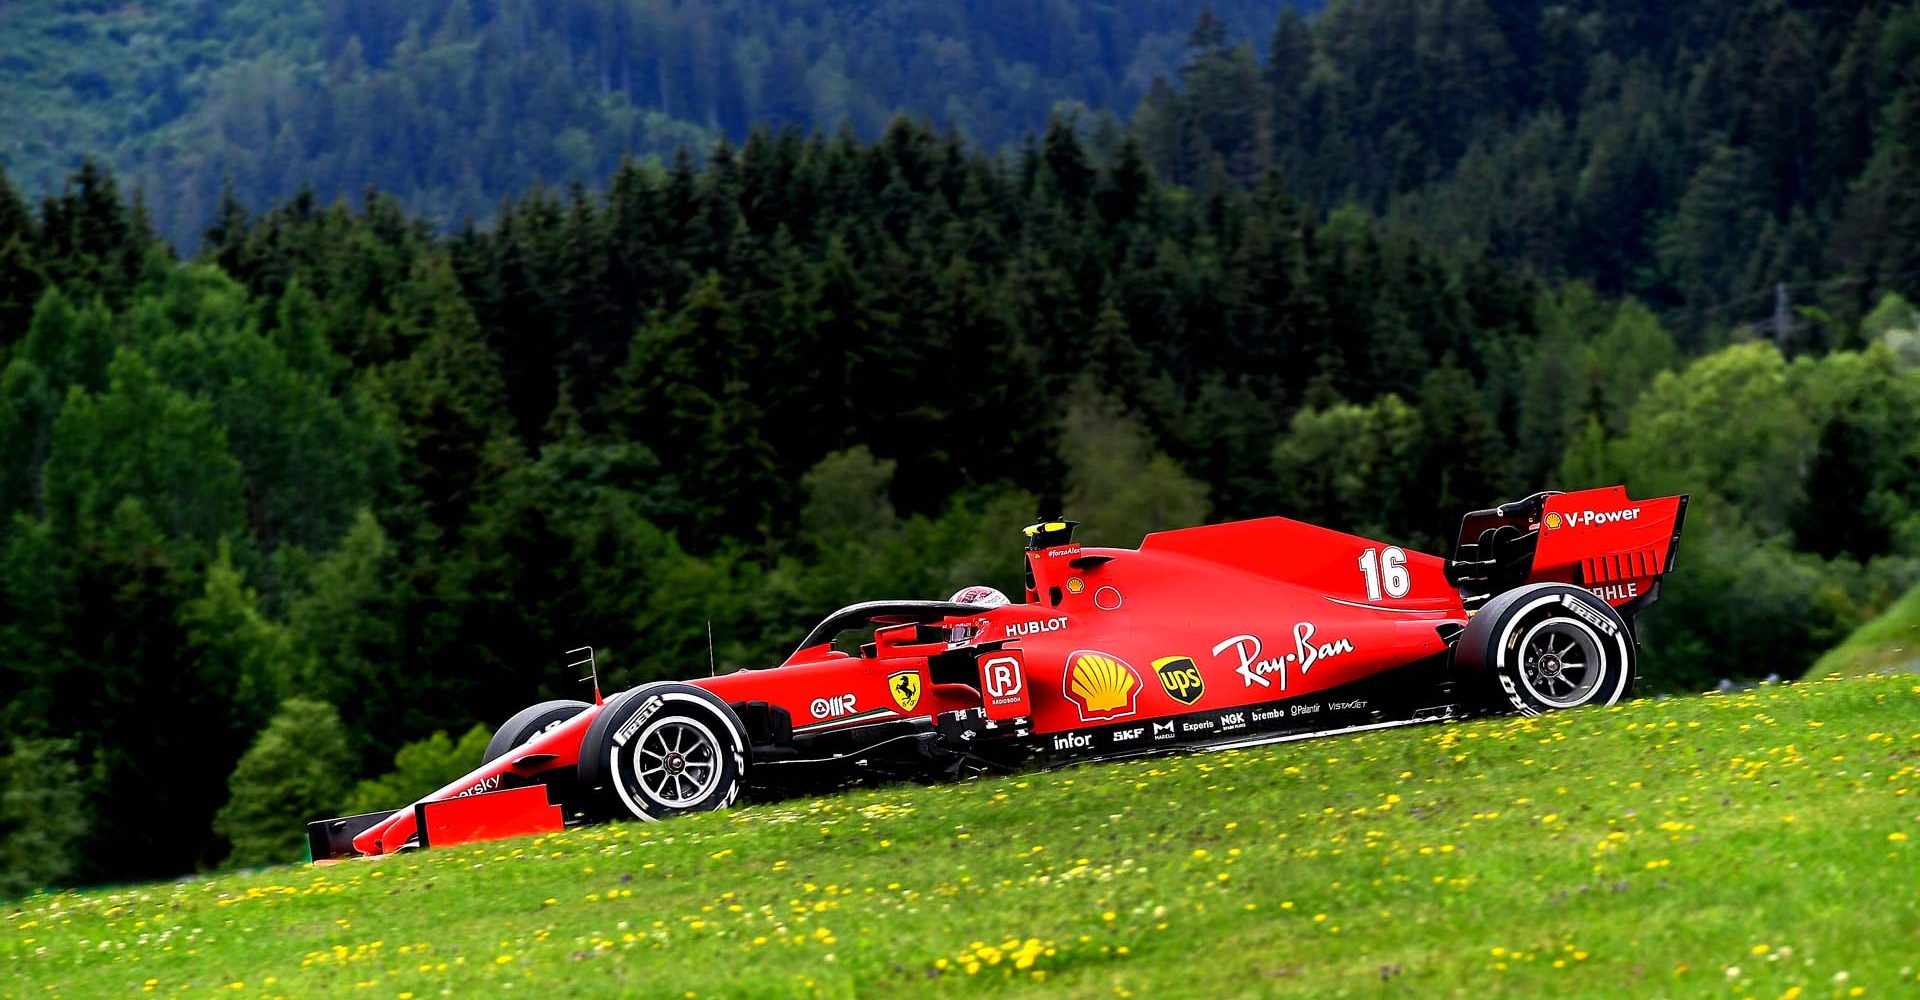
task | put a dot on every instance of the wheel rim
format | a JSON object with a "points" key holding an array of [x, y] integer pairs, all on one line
{"points": [[1561, 663], [677, 762]]}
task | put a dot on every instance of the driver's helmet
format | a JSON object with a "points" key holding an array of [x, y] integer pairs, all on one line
{"points": [[986, 597]]}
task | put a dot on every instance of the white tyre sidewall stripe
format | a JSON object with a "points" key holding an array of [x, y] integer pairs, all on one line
{"points": [[1623, 664], [726, 722]]}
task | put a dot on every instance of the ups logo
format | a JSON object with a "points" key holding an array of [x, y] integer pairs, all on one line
{"points": [[1181, 678]]}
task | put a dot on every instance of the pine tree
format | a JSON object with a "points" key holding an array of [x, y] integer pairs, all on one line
{"points": [[88, 240], [1460, 470], [1117, 483], [683, 394], [1209, 33], [1552, 405], [1841, 479], [1721, 209], [1160, 122], [1880, 233], [1113, 356], [1785, 94], [1068, 173], [1124, 186], [43, 815], [296, 771], [145, 441], [20, 280], [1289, 58], [453, 435]]}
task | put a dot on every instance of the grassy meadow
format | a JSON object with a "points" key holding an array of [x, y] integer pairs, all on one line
{"points": [[1764, 843]]}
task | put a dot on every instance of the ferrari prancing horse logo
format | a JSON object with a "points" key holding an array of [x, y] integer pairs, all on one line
{"points": [[905, 688]]}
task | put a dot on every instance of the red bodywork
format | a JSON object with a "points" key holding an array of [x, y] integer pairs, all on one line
{"points": [[1111, 640]]}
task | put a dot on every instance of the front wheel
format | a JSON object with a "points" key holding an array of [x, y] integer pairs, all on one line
{"points": [[1548, 647], [664, 749], [529, 723]]}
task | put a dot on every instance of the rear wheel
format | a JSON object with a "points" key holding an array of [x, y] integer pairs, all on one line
{"points": [[529, 723], [1547, 647], [662, 750]]}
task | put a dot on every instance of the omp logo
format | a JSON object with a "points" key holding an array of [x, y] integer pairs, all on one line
{"points": [[1037, 627], [483, 785], [639, 719], [1002, 677], [1180, 676], [1129, 735], [827, 708], [1101, 685], [904, 685], [1586, 518], [1072, 741], [1163, 730]]}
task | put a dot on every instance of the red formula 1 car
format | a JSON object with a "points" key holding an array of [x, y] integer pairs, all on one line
{"points": [[1213, 637]]}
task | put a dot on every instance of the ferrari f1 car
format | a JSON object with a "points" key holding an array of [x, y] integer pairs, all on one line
{"points": [[1212, 637]]}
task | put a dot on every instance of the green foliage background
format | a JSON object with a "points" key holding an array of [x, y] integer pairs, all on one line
{"points": [[453, 104]]}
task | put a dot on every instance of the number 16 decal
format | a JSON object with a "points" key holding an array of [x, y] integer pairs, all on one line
{"points": [[1385, 570]]}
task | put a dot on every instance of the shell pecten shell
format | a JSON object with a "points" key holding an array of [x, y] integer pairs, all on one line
{"points": [[1103, 686]]}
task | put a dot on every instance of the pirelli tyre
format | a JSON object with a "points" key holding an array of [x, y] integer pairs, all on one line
{"points": [[1546, 647], [663, 749], [528, 723]]}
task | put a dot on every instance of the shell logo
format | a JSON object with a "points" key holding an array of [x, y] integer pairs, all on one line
{"points": [[1553, 521], [1101, 685]]}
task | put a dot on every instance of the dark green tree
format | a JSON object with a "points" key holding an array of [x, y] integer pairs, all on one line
{"points": [[296, 771], [20, 279], [453, 433], [43, 815], [1464, 452]]}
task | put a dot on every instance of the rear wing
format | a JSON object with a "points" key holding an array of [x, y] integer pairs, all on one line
{"points": [[1599, 539]]}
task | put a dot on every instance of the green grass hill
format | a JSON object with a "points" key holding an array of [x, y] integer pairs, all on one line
{"points": [[1754, 844], [1889, 642]]}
